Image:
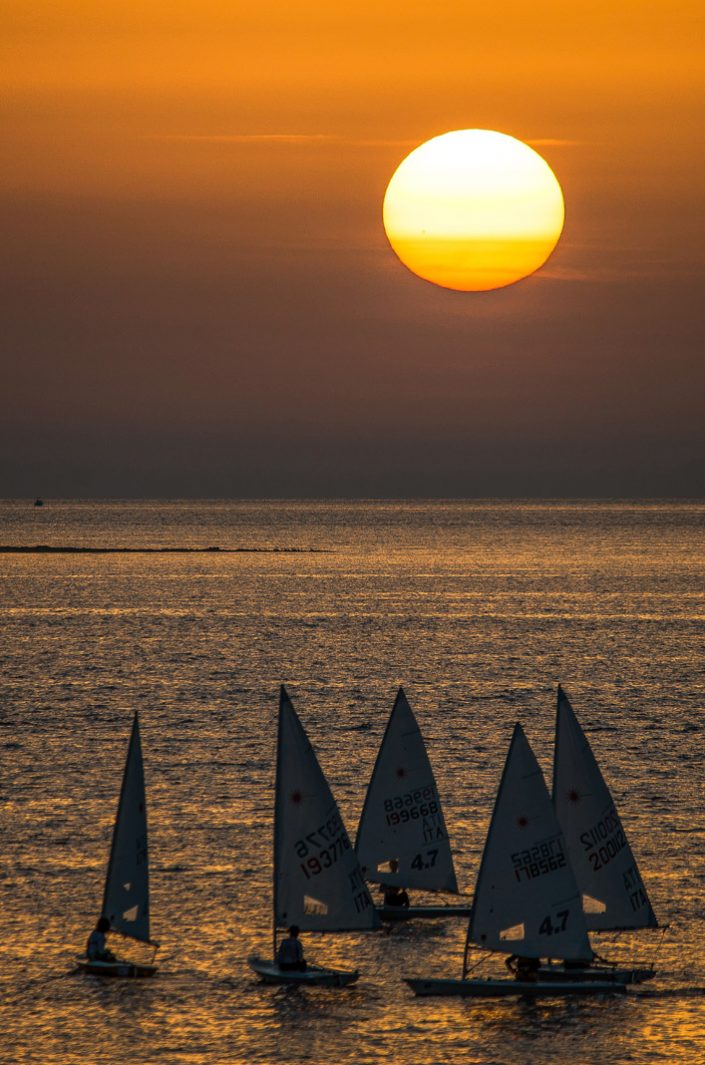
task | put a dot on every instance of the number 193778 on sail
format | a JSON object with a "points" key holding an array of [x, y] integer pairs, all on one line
{"points": [[322, 847]]}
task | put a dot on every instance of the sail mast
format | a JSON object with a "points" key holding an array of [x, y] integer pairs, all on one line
{"points": [[319, 885], [402, 817], [466, 949], [470, 936], [277, 786], [126, 893], [368, 793], [526, 898], [134, 739], [614, 895]]}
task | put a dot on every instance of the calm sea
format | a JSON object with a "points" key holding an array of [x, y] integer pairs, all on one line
{"points": [[479, 609]]}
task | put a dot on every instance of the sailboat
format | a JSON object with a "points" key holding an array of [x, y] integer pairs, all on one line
{"points": [[613, 893], [402, 839], [318, 883], [126, 895], [527, 902]]}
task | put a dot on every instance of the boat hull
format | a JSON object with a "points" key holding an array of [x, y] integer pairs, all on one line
{"points": [[313, 976], [500, 988], [617, 975], [421, 913], [125, 970]]}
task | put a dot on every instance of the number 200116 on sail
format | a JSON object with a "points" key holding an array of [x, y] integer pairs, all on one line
{"points": [[604, 840]]}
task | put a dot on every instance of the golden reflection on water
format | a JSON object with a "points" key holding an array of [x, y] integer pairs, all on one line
{"points": [[478, 610]]}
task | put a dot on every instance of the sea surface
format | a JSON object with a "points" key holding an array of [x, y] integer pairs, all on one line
{"points": [[479, 609]]}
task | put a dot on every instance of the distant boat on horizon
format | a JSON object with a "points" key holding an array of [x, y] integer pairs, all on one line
{"points": [[38, 502]]}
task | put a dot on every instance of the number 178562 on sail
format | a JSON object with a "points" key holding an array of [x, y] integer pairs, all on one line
{"points": [[537, 861]]}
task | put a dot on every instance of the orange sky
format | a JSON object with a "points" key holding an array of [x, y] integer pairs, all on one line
{"points": [[201, 299]]}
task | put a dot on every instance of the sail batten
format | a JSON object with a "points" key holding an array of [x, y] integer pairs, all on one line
{"points": [[318, 884], [526, 899], [126, 894], [402, 839], [604, 865]]}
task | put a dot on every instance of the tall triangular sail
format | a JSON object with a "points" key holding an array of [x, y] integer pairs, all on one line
{"points": [[402, 838], [614, 895], [126, 898], [318, 883], [526, 899]]}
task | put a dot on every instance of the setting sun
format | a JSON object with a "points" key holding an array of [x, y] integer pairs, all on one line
{"points": [[473, 210]]}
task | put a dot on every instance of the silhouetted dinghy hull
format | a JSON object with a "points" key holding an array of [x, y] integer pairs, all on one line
{"points": [[422, 913], [314, 976], [616, 975], [500, 988], [533, 907], [122, 969]]}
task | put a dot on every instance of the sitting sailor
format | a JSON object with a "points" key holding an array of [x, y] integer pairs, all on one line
{"points": [[525, 969], [290, 956], [96, 949], [394, 895]]}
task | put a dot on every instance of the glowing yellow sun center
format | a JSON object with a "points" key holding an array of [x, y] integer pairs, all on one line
{"points": [[473, 210]]}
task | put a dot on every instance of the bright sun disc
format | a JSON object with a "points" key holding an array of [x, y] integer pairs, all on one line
{"points": [[473, 210]]}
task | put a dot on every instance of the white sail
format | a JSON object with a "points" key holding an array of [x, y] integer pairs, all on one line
{"points": [[126, 899], [318, 883], [526, 899], [614, 895], [402, 838]]}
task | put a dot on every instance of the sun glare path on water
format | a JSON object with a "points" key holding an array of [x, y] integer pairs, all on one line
{"points": [[473, 210]]}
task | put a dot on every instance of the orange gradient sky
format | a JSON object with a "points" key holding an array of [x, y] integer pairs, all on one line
{"points": [[200, 298]]}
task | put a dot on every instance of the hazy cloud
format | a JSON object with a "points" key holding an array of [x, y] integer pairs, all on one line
{"points": [[284, 138], [552, 142]]}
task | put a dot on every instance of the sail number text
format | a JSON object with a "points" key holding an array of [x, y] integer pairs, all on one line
{"points": [[413, 806], [323, 847], [543, 858], [547, 927], [635, 888], [604, 840]]}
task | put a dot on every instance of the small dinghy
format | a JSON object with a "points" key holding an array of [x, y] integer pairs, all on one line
{"points": [[614, 974], [314, 976], [499, 988], [613, 894], [527, 902], [126, 895], [402, 841], [120, 968], [318, 883]]}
